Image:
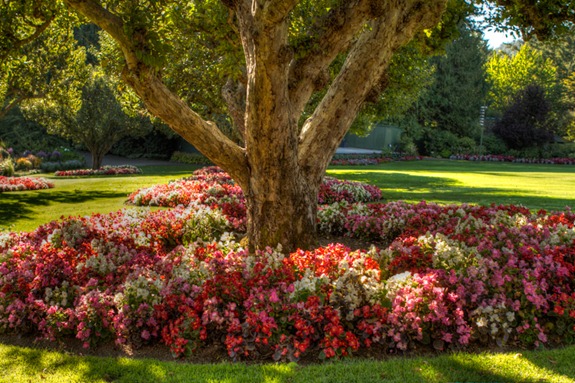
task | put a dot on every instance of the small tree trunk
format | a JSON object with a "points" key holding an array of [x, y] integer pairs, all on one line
{"points": [[97, 159]]}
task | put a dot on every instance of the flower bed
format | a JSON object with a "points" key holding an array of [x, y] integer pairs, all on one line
{"points": [[103, 171], [502, 158], [452, 276], [8, 184], [368, 159], [212, 187]]}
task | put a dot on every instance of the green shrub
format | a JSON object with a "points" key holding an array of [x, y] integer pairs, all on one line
{"points": [[6, 167], [51, 167], [440, 143], [493, 145], [407, 146]]}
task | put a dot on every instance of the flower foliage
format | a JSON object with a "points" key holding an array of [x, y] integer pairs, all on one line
{"points": [[451, 276], [103, 171], [23, 183], [212, 187]]}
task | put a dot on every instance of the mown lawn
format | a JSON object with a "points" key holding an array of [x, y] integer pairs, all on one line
{"points": [[535, 186], [24, 211], [550, 187], [19, 364]]}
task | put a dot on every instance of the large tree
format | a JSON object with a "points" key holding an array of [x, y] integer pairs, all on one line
{"points": [[287, 51]]}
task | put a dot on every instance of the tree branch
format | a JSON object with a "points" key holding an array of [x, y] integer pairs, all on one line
{"points": [[333, 35], [161, 101], [204, 135], [4, 111], [362, 71]]}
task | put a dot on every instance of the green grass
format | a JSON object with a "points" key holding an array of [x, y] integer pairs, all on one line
{"points": [[550, 187], [19, 364], [25, 211], [535, 186]]}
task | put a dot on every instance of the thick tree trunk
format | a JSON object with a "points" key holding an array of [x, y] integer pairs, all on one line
{"points": [[285, 215]]}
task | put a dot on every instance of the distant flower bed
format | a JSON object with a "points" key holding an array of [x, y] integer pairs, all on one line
{"points": [[103, 171], [212, 187], [374, 159], [452, 277], [8, 184], [502, 158]]}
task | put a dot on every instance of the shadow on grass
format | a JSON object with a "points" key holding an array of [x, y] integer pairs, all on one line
{"points": [[36, 363], [15, 206], [403, 186]]}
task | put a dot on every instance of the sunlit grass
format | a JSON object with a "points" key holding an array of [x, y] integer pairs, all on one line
{"points": [[25, 211], [550, 187], [19, 364]]}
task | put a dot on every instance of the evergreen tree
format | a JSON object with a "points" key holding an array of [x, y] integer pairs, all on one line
{"points": [[454, 100]]}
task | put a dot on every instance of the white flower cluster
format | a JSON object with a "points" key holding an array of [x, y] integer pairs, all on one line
{"points": [[108, 257], [495, 321], [449, 254], [469, 224], [142, 289], [58, 296], [71, 231], [503, 218], [560, 235], [309, 284], [357, 286], [205, 224], [331, 217], [397, 282], [5, 239]]}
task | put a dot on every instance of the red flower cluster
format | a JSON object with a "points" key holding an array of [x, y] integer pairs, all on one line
{"points": [[8, 184]]}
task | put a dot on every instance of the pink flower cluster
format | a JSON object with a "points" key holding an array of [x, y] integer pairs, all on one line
{"points": [[103, 171], [452, 276], [8, 184], [502, 158], [212, 187]]}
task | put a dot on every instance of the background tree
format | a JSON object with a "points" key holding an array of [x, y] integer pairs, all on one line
{"points": [[526, 122], [508, 75], [96, 120], [454, 100]]}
